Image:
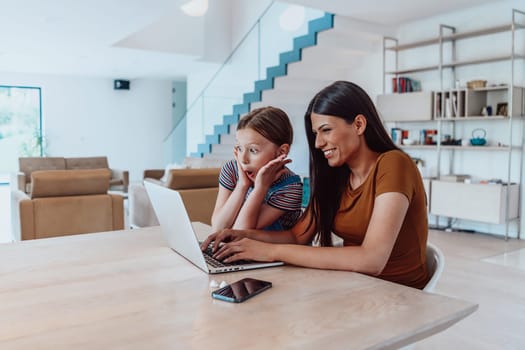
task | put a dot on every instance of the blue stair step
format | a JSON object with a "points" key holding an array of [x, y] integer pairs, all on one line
{"points": [[241, 109], [305, 41], [266, 84], [221, 129], [320, 24], [290, 56], [252, 97], [204, 148], [212, 139], [277, 71], [230, 119]]}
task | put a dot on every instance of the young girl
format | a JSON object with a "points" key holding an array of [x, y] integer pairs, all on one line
{"points": [[256, 189]]}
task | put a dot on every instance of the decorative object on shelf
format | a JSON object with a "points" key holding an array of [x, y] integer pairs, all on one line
{"points": [[502, 109], [397, 135], [474, 84], [478, 137], [431, 136]]}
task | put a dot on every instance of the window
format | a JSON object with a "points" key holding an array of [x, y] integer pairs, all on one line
{"points": [[20, 125]]}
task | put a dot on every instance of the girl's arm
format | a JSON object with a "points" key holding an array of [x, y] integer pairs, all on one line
{"points": [[370, 258], [255, 213], [227, 206]]}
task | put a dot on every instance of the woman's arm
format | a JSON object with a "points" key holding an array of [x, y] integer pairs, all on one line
{"points": [[371, 257]]}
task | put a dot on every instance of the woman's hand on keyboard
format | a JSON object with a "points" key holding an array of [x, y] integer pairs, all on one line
{"points": [[223, 236], [245, 249]]}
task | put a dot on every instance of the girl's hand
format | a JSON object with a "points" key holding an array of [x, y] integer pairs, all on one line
{"points": [[270, 172], [226, 235], [244, 181], [245, 249]]}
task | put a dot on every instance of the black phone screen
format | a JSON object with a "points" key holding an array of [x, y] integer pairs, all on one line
{"points": [[241, 290]]}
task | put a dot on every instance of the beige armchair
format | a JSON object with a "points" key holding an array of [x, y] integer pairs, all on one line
{"points": [[66, 202], [197, 187], [27, 165]]}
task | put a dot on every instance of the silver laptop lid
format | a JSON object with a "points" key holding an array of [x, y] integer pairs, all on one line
{"points": [[175, 223]]}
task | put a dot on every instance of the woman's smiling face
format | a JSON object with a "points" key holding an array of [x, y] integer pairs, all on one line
{"points": [[337, 139], [254, 151]]}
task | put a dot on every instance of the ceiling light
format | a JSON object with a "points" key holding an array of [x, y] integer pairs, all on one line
{"points": [[195, 8], [292, 18]]}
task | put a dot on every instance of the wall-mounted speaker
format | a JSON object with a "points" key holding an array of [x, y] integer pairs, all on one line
{"points": [[121, 84]]}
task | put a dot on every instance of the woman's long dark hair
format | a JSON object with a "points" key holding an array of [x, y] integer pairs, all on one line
{"points": [[344, 100]]}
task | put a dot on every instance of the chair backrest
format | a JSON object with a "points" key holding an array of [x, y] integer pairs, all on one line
{"points": [[198, 189], [435, 266]]}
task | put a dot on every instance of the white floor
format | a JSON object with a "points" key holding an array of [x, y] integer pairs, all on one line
{"points": [[514, 259]]}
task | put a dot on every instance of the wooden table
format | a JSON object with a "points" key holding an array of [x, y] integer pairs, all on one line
{"points": [[127, 290]]}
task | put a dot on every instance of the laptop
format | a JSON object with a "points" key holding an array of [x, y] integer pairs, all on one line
{"points": [[179, 232]]}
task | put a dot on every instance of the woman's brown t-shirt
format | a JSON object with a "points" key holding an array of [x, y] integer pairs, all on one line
{"points": [[394, 171]]}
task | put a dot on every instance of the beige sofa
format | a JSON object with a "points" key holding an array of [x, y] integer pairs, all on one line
{"points": [[27, 165], [66, 202], [197, 187]]}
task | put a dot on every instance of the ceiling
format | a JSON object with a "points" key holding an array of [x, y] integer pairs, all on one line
{"points": [[152, 38]]}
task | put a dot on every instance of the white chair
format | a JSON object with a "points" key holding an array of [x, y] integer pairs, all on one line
{"points": [[435, 266]]}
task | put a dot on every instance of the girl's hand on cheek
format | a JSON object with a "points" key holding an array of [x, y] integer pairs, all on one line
{"points": [[244, 180], [273, 170]]}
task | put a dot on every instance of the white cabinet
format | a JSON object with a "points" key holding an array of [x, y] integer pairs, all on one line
{"points": [[410, 106], [478, 202]]}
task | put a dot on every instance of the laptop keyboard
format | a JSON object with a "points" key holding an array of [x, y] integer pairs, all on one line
{"points": [[208, 256]]}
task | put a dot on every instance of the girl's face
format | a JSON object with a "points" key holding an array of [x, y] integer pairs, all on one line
{"points": [[254, 151], [338, 140]]}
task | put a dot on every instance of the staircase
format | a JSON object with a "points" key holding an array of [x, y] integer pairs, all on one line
{"points": [[327, 53]]}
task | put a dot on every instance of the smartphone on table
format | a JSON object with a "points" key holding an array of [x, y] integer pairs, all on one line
{"points": [[239, 291]]}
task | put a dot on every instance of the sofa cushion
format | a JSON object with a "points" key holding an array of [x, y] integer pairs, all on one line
{"points": [[55, 183], [87, 163]]}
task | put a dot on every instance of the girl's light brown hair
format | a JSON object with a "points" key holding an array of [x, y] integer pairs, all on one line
{"points": [[271, 122]]}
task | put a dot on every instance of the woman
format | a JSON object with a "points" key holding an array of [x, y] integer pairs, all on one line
{"points": [[363, 189]]}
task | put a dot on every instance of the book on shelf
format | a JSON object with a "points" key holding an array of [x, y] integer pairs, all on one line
{"points": [[405, 84], [455, 105], [448, 107]]}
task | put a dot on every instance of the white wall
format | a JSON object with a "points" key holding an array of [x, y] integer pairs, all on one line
{"points": [[86, 117]]}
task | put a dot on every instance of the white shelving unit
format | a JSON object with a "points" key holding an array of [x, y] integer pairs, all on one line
{"points": [[450, 107]]}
